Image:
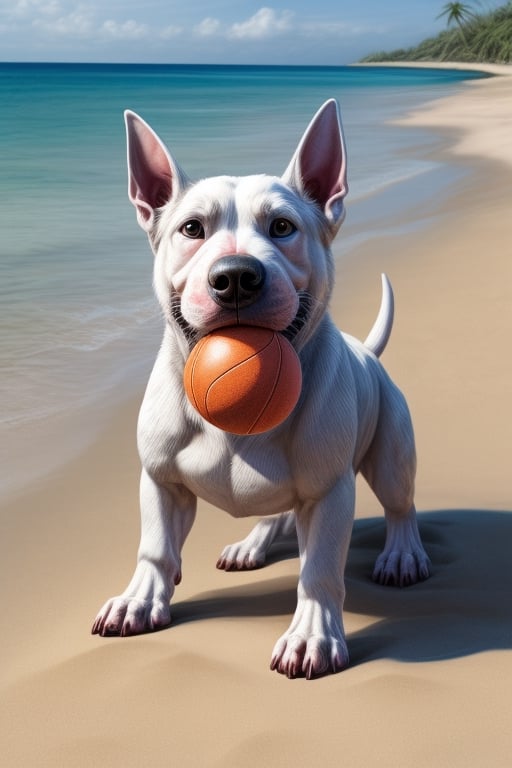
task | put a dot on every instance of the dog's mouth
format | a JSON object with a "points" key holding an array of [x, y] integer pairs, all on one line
{"points": [[301, 318], [192, 335]]}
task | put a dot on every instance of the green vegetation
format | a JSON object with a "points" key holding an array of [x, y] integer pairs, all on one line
{"points": [[474, 37]]}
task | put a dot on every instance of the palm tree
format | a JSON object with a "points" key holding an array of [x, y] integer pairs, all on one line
{"points": [[458, 13]]}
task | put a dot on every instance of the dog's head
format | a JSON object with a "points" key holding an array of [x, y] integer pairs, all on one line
{"points": [[252, 250]]}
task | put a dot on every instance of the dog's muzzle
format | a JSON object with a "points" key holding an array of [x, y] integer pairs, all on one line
{"points": [[236, 281]]}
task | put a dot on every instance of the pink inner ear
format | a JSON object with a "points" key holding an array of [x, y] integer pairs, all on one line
{"points": [[321, 158], [320, 176], [150, 172]]}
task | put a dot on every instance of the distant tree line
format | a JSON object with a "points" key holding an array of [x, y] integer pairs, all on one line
{"points": [[471, 37]]}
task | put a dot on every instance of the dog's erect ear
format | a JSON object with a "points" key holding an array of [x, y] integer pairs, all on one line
{"points": [[318, 168], [153, 176]]}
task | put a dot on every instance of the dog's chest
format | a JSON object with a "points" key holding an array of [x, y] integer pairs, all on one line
{"points": [[243, 476]]}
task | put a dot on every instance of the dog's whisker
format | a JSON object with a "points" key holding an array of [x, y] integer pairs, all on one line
{"points": [[306, 304], [190, 333]]}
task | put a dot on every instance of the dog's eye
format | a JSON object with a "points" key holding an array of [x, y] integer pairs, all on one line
{"points": [[193, 229], [282, 228]]}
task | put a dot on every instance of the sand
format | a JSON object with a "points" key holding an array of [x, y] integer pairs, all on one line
{"points": [[429, 683]]}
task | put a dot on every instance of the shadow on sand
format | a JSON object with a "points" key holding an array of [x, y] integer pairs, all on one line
{"points": [[464, 608]]}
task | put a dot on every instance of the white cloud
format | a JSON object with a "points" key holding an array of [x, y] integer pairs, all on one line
{"points": [[171, 31], [208, 27], [25, 8], [77, 19], [111, 30], [126, 30], [265, 23], [78, 23]]}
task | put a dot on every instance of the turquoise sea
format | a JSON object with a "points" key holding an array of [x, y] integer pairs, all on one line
{"points": [[80, 326]]}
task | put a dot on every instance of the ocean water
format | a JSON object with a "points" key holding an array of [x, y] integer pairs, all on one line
{"points": [[79, 324]]}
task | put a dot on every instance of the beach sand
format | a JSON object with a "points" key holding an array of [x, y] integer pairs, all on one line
{"points": [[429, 682]]}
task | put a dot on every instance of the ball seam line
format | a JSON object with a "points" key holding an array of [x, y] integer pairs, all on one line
{"points": [[218, 378], [274, 387]]}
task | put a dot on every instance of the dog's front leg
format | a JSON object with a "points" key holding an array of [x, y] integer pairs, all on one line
{"points": [[167, 514], [315, 643]]}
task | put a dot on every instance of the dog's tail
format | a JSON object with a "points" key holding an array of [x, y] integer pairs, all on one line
{"points": [[379, 335]]}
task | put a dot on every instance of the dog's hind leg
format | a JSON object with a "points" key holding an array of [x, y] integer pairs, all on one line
{"points": [[390, 467], [252, 551], [403, 560]]}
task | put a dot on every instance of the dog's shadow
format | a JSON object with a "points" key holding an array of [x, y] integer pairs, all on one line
{"points": [[464, 608]]}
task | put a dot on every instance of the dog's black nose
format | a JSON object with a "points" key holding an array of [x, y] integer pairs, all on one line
{"points": [[236, 281]]}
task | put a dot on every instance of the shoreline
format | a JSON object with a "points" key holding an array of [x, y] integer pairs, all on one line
{"points": [[425, 657], [491, 69], [483, 127]]}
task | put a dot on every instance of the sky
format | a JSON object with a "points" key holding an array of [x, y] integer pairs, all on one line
{"points": [[317, 32]]}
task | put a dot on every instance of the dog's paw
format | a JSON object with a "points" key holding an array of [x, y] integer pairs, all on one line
{"points": [[143, 606], [126, 616], [404, 561], [401, 569], [252, 551], [297, 656], [242, 556]]}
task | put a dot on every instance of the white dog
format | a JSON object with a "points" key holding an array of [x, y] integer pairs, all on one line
{"points": [[256, 251]]}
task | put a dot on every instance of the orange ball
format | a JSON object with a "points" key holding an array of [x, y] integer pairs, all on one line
{"points": [[243, 379]]}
